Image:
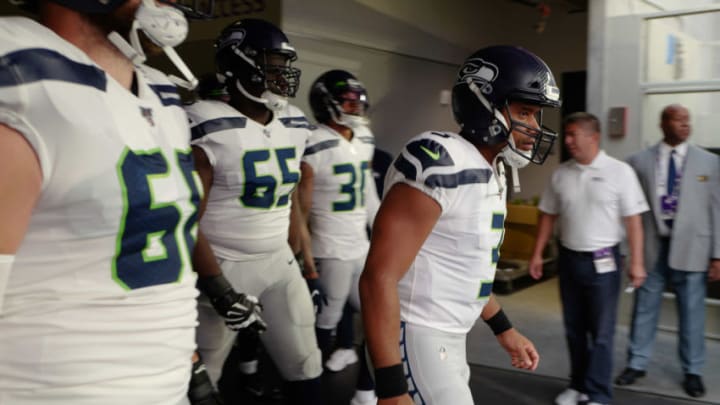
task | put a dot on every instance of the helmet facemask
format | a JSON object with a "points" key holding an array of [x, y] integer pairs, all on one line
{"points": [[543, 140], [271, 75], [347, 109], [500, 130], [166, 27]]}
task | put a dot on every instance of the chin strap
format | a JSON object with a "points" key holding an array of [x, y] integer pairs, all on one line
{"points": [[515, 179], [500, 174], [152, 20], [484, 101], [272, 101]]}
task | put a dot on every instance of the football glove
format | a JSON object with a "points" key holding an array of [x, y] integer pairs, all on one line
{"points": [[200, 390], [318, 296], [239, 310]]}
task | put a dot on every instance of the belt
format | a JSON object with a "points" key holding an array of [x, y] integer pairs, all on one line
{"points": [[575, 252]]}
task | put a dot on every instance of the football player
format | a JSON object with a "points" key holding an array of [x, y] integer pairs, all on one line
{"points": [[247, 153], [99, 208], [339, 200], [436, 238]]}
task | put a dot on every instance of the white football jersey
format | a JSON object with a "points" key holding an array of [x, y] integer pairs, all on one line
{"points": [[255, 171], [341, 172], [100, 305], [451, 278]]}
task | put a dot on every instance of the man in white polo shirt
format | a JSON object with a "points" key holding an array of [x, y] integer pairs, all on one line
{"points": [[592, 195]]}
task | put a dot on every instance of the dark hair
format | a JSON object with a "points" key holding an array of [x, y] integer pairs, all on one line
{"points": [[585, 118]]}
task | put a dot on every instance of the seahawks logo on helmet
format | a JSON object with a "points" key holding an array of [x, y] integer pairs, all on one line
{"points": [[481, 72]]}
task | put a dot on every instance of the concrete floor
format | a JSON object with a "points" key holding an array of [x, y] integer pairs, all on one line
{"points": [[536, 312]]}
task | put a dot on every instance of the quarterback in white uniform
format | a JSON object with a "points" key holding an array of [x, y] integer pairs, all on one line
{"points": [[99, 213], [247, 153], [437, 235], [339, 200]]}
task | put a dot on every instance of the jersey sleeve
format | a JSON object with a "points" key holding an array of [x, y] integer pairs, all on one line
{"points": [[316, 144], [426, 164], [207, 122], [37, 90]]}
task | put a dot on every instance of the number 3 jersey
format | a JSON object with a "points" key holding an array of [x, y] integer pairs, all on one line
{"points": [[451, 278], [100, 305], [341, 174], [255, 171]]}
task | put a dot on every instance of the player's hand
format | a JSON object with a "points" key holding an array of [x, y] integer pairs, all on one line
{"points": [[318, 296], [637, 275], [399, 400], [521, 350], [240, 311]]}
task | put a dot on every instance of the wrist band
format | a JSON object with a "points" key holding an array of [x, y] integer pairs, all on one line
{"points": [[499, 323], [390, 381], [213, 286]]}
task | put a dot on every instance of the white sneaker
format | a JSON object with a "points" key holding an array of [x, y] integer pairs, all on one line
{"points": [[596, 403], [570, 397], [364, 397], [340, 359]]}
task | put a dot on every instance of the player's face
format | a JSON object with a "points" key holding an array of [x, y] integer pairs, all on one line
{"points": [[275, 65], [353, 103], [581, 141], [676, 125], [526, 123]]}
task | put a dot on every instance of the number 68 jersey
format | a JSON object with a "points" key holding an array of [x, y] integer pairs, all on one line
{"points": [[255, 171], [100, 305]]}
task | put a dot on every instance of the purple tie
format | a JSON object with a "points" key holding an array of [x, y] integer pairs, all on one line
{"points": [[672, 173]]}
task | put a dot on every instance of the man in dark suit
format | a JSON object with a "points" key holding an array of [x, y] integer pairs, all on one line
{"points": [[682, 245]]}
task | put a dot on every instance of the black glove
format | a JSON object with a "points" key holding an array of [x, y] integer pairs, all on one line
{"points": [[239, 310], [200, 390], [316, 294]]}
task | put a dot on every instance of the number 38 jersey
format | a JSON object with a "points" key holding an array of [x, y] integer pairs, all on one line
{"points": [[100, 303], [255, 171], [338, 216], [451, 278]]}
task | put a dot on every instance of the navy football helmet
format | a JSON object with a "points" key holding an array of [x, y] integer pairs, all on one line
{"points": [[331, 90], [246, 54], [488, 81]]}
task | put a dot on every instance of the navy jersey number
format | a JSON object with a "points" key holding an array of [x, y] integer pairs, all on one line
{"points": [[259, 190], [156, 236], [350, 188]]}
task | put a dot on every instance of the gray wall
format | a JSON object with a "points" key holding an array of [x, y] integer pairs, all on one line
{"points": [[407, 51]]}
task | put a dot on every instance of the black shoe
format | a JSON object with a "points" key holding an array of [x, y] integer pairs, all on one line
{"points": [[628, 376], [693, 385], [253, 384]]}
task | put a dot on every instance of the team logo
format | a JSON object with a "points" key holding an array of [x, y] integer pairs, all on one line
{"points": [[481, 72], [148, 115]]}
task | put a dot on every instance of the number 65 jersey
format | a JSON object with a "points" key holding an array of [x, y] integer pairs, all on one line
{"points": [[255, 170], [100, 305]]}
